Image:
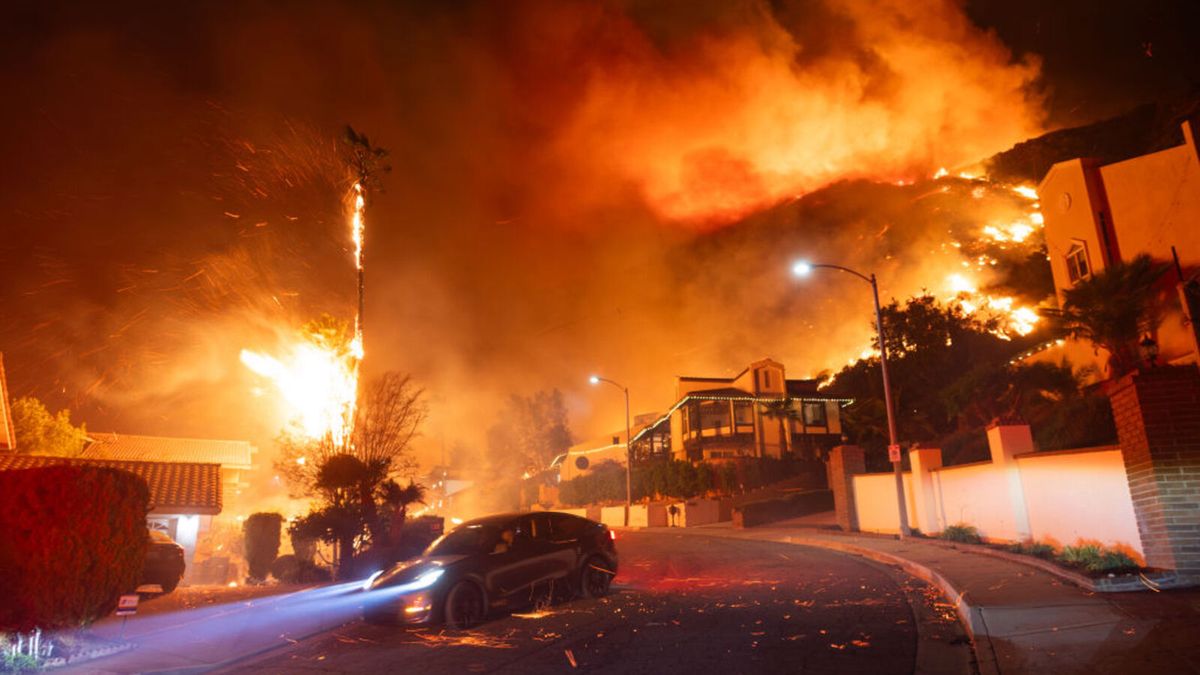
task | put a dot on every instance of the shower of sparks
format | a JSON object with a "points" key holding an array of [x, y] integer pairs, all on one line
{"points": [[317, 381]]}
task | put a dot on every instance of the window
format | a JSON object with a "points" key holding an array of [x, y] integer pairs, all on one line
{"points": [[1078, 265], [766, 379], [814, 414], [714, 415], [564, 527], [743, 413]]}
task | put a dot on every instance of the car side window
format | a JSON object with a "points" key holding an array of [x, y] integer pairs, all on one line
{"points": [[565, 528], [536, 527]]}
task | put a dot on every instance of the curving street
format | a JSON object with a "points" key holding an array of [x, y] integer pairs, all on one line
{"points": [[680, 603]]}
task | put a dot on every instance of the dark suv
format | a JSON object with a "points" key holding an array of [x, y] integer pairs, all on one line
{"points": [[499, 561], [164, 564]]}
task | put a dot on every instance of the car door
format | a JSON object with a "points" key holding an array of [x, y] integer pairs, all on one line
{"points": [[566, 532], [526, 563]]}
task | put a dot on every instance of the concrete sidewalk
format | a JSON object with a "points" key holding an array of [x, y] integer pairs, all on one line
{"points": [[1022, 619]]}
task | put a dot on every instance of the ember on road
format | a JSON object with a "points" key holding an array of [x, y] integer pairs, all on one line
{"points": [[680, 604]]}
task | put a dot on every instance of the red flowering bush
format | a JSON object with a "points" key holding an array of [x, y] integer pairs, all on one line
{"points": [[72, 539]]}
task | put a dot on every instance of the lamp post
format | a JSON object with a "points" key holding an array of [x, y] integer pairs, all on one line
{"points": [[596, 379], [802, 269]]}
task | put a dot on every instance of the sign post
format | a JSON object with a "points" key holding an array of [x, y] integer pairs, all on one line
{"points": [[126, 605]]}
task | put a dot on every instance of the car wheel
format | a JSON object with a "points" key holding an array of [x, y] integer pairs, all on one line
{"points": [[464, 605], [595, 578]]}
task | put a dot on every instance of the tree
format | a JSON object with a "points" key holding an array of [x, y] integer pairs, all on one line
{"points": [[261, 533], [784, 410], [366, 161], [1000, 391], [950, 375], [38, 432], [388, 417], [532, 431], [1113, 309], [349, 478]]}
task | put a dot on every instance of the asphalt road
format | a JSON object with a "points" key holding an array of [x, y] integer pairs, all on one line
{"points": [[679, 604]]}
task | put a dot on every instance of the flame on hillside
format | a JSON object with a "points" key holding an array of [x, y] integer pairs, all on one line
{"points": [[962, 287]]}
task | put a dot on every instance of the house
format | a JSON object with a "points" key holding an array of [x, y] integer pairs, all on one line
{"points": [[756, 413], [184, 496], [1100, 214], [581, 457], [234, 458]]}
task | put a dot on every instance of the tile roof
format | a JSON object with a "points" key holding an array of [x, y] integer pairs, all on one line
{"points": [[127, 447], [175, 487]]}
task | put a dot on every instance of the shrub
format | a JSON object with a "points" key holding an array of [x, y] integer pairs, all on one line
{"points": [[1093, 558], [74, 538], [304, 547], [286, 568], [1034, 548], [261, 531], [962, 533]]}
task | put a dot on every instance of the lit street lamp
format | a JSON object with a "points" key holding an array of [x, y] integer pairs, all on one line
{"points": [[596, 379], [802, 269]]}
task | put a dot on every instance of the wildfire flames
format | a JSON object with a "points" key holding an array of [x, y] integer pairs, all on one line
{"points": [[318, 383], [963, 288], [317, 378]]}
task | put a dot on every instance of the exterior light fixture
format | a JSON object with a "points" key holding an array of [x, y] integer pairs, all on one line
{"points": [[801, 268]]}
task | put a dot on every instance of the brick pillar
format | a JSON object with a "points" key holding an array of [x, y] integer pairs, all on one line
{"points": [[1158, 424], [844, 462]]}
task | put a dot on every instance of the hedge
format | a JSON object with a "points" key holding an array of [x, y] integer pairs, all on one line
{"points": [[676, 478], [72, 540], [261, 531]]}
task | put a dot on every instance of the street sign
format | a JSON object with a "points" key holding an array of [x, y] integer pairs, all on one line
{"points": [[127, 605], [893, 453]]}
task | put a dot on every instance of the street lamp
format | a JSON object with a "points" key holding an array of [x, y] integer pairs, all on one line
{"points": [[596, 379], [803, 269]]}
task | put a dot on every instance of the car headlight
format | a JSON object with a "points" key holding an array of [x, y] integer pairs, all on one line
{"points": [[370, 580], [423, 580]]}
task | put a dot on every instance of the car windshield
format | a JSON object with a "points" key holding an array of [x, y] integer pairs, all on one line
{"points": [[465, 541]]}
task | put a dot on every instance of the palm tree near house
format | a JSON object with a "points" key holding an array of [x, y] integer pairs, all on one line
{"points": [[398, 498], [784, 411], [1113, 309]]}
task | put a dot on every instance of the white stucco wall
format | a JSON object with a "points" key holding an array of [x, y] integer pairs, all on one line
{"points": [[978, 495], [875, 500], [1080, 495], [1068, 497]]}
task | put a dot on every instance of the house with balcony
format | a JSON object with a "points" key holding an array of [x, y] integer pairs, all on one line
{"points": [[757, 413]]}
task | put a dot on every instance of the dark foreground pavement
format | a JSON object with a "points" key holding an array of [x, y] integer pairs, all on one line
{"points": [[1023, 618], [680, 604]]}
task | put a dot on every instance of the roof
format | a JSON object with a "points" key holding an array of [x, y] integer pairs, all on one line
{"points": [[126, 447], [804, 387], [798, 391], [175, 487]]}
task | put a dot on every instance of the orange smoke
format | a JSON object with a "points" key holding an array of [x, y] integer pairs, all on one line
{"points": [[735, 120]]}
